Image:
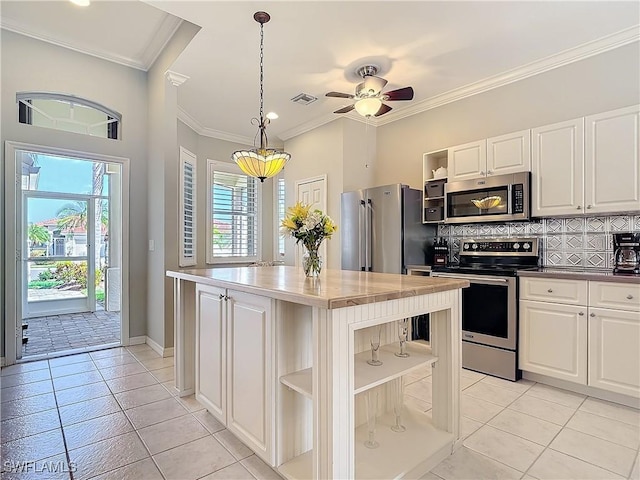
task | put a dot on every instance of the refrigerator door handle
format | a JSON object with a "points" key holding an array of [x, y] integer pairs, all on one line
{"points": [[369, 233], [362, 235]]}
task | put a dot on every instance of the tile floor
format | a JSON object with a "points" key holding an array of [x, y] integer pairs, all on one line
{"points": [[111, 414]]}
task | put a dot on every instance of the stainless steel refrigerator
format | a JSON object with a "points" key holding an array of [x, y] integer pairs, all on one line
{"points": [[382, 230]]}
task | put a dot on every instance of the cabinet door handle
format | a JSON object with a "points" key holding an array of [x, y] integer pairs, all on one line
{"points": [[489, 172], [592, 314], [581, 314], [579, 207], [629, 297], [481, 172], [221, 296], [588, 206], [550, 290]]}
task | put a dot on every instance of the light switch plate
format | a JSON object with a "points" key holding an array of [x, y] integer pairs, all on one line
{"points": [[152, 245]]}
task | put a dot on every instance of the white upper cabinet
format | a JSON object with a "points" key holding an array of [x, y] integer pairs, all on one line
{"points": [[557, 175], [510, 153], [468, 161], [612, 161]]}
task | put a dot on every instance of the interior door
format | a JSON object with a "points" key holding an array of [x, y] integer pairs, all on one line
{"points": [[58, 261], [312, 191]]}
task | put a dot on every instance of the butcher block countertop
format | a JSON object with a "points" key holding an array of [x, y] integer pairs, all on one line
{"points": [[333, 289]]}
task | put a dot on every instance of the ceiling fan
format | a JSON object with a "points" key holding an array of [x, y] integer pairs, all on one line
{"points": [[369, 96]]}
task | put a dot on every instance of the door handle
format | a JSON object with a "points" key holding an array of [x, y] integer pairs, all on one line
{"points": [[592, 314], [581, 314], [370, 237], [362, 233]]}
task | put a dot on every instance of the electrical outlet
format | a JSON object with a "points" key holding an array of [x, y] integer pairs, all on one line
{"points": [[152, 245]]}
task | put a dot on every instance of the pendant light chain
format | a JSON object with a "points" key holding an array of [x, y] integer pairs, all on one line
{"points": [[261, 72]]}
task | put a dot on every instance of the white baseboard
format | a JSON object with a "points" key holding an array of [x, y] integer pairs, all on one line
{"points": [[168, 352], [138, 340], [155, 346]]}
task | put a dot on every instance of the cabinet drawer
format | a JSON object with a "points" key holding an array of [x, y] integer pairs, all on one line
{"points": [[620, 296], [570, 292]]}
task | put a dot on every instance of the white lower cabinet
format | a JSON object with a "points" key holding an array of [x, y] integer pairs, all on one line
{"points": [[584, 344], [234, 364], [553, 340]]}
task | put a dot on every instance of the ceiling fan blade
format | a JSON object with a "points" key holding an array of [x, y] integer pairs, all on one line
{"points": [[383, 109], [338, 95], [346, 109], [405, 93]]}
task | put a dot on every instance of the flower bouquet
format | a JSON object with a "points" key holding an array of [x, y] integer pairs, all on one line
{"points": [[309, 227]]}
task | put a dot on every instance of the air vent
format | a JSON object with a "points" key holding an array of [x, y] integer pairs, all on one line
{"points": [[304, 99]]}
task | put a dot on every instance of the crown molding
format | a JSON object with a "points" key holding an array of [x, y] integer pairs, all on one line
{"points": [[193, 124], [164, 34], [176, 78], [566, 57]]}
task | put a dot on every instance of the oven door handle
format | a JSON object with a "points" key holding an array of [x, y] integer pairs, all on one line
{"points": [[475, 278]]}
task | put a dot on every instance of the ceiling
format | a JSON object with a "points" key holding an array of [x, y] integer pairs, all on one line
{"points": [[444, 49]]}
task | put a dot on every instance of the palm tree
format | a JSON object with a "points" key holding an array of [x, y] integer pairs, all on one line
{"points": [[37, 234], [72, 216]]}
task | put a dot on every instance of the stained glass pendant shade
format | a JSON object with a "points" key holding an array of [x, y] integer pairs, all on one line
{"points": [[262, 162]]}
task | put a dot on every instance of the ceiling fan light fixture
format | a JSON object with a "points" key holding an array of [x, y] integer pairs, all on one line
{"points": [[262, 162], [368, 107], [81, 3]]}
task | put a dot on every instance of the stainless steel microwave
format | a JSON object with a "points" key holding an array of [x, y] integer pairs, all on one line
{"points": [[500, 198]]}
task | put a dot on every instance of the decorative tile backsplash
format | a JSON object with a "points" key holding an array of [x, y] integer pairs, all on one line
{"points": [[564, 242]]}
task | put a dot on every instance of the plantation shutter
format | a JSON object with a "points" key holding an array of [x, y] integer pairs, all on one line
{"points": [[281, 212], [234, 218], [187, 208]]}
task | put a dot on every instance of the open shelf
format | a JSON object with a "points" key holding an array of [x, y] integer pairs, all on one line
{"points": [[401, 455], [368, 376], [299, 381], [298, 467]]}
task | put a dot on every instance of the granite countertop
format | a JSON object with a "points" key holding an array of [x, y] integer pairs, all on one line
{"points": [[577, 273], [333, 289]]}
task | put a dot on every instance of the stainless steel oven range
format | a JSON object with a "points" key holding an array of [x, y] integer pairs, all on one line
{"points": [[490, 304]]}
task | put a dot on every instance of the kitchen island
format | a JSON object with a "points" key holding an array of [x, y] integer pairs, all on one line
{"points": [[281, 360]]}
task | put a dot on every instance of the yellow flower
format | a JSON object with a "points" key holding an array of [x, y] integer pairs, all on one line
{"points": [[288, 223]]}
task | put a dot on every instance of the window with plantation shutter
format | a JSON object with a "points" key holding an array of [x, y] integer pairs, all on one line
{"points": [[233, 233], [280, 202], [187, 209]]}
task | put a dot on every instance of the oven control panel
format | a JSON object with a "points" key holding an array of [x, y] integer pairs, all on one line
{"points": [[500, 246]]}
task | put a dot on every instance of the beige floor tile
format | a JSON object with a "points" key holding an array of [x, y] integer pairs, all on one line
{"points": [[536, 407], [27, 406], [416, 403], [142, 396], [208, 421], [107, 455], [259, 469], [140, 470], [504, 447], [163, 374], [158, 363], [141, 347], [556, 395], [554, 465], [190, 403], [25, 377], [73, 369], [34, 447], [82, 394], [422, 390], [20, 427], [491, 393], [606, 428], [109, 352], [238, 449], [122, 370], [83, 411], [478, 409], [71, 381], [466, 382], [25, 367], [172, 433], [468, 426], [69, 359], [520, 386], [51, 468], [471, 374], [466, 464], [526, 426], [146, 355], [155, 412], [171, 387], [116, 360], [596, 451], [26, 390], [193, 460], [233, 472], [430, 476], [95, 430], [611, 410], [635, 473], [131, 382]]}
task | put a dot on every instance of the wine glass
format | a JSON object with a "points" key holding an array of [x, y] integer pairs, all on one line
{"points": [[403, 331], [375, 346], [398, 404], [371, 402]]}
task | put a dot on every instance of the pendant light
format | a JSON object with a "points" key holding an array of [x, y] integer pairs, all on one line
{"points": [[262, 162]]}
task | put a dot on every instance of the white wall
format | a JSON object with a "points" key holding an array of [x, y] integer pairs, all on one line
{"points": [[29, 64], [604, 82]]}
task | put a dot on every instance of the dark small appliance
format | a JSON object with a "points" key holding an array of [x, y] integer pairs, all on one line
{"points": [[627, 252], [440, 252]]}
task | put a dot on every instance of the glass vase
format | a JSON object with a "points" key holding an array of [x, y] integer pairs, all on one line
{"points": [[311, 263]]}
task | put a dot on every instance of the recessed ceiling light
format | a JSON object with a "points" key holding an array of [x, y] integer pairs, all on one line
{"points": [[272, 115], [82, 3]]}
